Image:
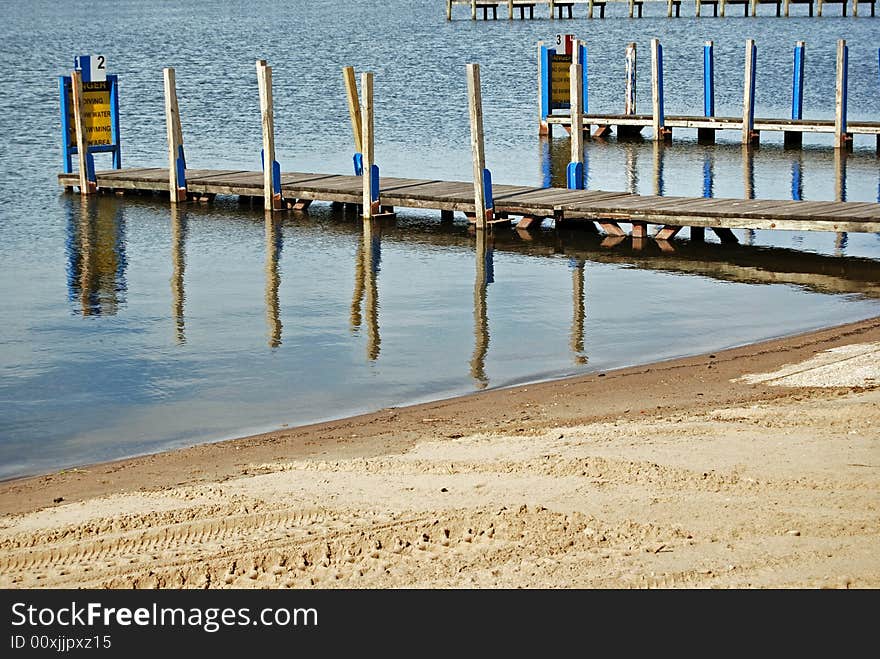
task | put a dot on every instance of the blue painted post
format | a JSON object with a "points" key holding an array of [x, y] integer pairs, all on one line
{"points": [[582, 60], [113, 80], [793, 138], [708, 79], [544, 54], [63, 88], [797, 85], [706, 135]]}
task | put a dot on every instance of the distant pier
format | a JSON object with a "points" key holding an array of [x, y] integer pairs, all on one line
{"points": [[565, 9]]}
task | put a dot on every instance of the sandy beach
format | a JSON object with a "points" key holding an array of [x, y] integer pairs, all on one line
{"points": [[757, 466]]}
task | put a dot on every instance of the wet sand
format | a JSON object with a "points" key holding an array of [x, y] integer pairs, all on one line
{"points": [[756, 466]]}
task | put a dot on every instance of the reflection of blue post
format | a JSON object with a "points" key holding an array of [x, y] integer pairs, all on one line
{"points": [[708, 176], [708, 79], [797, 84], [797, 183], [546, 164]]}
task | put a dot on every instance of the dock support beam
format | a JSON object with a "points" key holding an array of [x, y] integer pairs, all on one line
{"points": [[271, 169], [659, 119], [748, 128], [707, 135], [841, 139], [87, 181], [575, 173], [793, 138], [482, 179], [176, 159]]}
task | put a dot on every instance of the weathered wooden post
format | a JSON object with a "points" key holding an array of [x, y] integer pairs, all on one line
{"points": [[552, 8], [707, 135], [87, 180], [659, 119], [785, 5], [176, 159], [590, 9], [723, 7], [510, 10], [841, 139], [575, 172], [448, 10], [820, 3], [748, 128], [699, 8], [629, 102], [631, 7], [354, 113], [754, 7], [473, 10], [370, 172], [793, 138], [482, 179], [271, 168]]}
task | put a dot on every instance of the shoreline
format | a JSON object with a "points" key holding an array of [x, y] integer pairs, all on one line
{"points": [[756, 466], [181, 465]]}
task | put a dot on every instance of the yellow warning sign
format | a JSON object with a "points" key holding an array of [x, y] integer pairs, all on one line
{"points": [[560, 79], [96, 108]]}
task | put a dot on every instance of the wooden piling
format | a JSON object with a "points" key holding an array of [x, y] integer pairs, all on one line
{"points": [[723, 7], [354, 108], [473, 10], [370, 207], [448, 10], [176, 186], [510, 10], [748, 132], [475, 108], [840, 136], [576, 166], [659, 120], [699, 8], [629, 104], [82, 141], [271, 197]]}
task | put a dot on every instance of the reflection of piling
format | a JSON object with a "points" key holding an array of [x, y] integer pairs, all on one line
{"points": [[748, 162], [484, 276], [96, 252], [273, 280], [372, 259], [178, 265], [577, 323]]}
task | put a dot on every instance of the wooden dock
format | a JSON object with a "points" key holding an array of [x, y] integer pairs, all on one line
{"points": [[562, 9], [530, 204]]}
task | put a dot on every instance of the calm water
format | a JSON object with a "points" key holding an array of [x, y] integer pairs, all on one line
{"points": [[129, 329]]}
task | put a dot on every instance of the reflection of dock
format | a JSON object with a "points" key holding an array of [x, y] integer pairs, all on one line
{"points": [[524, 201]]}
